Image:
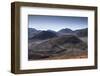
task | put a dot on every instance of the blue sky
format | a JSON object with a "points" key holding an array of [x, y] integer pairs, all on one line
{"points": [[56, 23]]}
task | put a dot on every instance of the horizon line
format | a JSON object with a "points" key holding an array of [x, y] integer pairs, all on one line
{"points": [[60, 29]]}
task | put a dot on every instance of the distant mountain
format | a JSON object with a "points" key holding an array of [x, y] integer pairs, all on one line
{"points": [[82, 32], [57, 33], [65, 31], [32, 32], [45, 35], [39, 34]]}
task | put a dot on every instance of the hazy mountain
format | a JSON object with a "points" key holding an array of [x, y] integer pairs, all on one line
{"points": [[45, 35], [82, 32], [65, 31], [32, 32]]}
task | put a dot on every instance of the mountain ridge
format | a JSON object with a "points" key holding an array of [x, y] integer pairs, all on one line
{"points": [[33, 33]]}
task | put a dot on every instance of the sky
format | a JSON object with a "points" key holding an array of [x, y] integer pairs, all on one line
{"points": [[56, 23]]}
